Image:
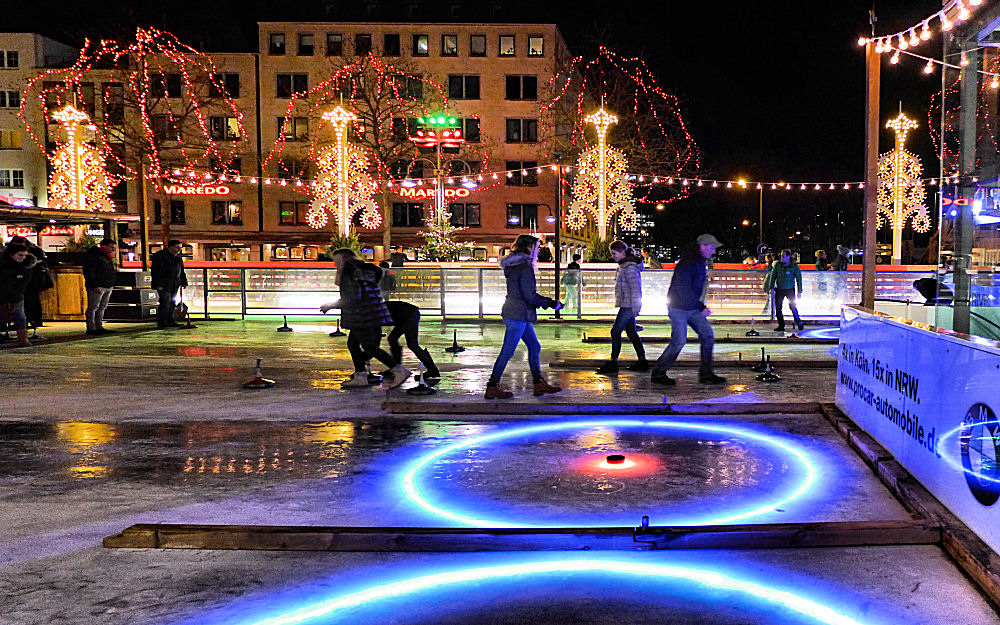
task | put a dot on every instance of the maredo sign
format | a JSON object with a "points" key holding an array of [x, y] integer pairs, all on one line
{"points": [[424, 193], [176, 189]]}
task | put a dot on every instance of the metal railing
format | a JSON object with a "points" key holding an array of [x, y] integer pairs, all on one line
{"points": [[478, 292]]}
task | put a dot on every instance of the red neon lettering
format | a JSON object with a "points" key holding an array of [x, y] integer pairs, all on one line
{"points": [[173, 189]]}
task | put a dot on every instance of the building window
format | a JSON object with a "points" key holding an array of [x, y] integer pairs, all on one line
{"points": [[229, 213], [157, 212], [225, 85], [410, 87], [10, 99], [522, 130], [506, 45], [293, 168], [10, 139], [11, 178], [464, 214], [522, 87], [536, 46], [421, 45], [276, 44], [463, 87], [477, 45], [165, 85], [407, 214], [522, 216], [334, 44], [522, 173], [472, 130], [291, 84], [293, 213], [165, 128], [294, 128], [449, 45], [9, 58], [232, 167], [224, 128], [177, 211], [307, 45], [362, 44], [391, 45]]}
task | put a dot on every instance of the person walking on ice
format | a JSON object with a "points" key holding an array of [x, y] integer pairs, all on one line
{"points": [[628, 298]]}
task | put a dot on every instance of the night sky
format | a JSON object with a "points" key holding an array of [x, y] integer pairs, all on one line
{"points": [[771, 90]]}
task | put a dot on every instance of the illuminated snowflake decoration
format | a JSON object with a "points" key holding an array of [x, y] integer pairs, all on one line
{"points": [[628, 219], [602, 186], [344, 186], [317, 218], [901, 193], [79, 180]]}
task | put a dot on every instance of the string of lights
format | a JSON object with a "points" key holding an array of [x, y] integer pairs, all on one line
{"points": [[951, 13]]}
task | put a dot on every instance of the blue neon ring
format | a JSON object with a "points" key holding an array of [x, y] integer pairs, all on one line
{"points": [[713, 579], [412, 490]]}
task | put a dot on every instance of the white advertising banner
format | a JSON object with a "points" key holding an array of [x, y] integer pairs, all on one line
{"points": [[932, 399]]}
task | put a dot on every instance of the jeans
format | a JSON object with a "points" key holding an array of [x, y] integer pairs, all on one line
{"points": [[516, 332], [97, 301], [779, 300], [363, 343], [679, 321], [165, 309], [13, 313], [409, 326], [572, 297], [625, 322]]}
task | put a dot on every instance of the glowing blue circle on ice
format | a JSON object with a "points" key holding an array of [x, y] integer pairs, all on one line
{"points": [[413, 492], [712, 579]]}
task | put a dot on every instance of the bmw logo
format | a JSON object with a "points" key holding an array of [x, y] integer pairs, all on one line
{"points": [[980, 445]]}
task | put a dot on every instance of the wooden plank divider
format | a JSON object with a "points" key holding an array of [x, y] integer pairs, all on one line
{"points": [[478, 407]]}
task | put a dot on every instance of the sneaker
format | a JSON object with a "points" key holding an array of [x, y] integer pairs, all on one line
{"points": [[495, 392], [399, 374], [662, 380], [359, 379], [543, 387], [641, 365], [608, 368], [802, 326], [711, 378]]}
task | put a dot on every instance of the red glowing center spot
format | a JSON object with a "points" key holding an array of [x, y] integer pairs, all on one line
{"points": [[632, 464]]}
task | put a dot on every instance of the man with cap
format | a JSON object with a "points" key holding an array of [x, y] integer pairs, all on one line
{"points": [[685, 306]]}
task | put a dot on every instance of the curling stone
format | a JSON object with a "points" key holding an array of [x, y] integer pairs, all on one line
{"points": [[338, 331], [761, 366], [421, 388], [753, 330], [769, 375], [455, 348], [284, 327], [259, 381]]}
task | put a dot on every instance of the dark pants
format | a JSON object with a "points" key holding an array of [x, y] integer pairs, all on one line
{"points": [[408, 325], [165, 309], [679, 322], [363, 343], [516, 332], [33, 308], [780, 295], [625, 322]]}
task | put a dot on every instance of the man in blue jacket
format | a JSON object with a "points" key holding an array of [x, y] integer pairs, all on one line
{"points": [[685, 306]]}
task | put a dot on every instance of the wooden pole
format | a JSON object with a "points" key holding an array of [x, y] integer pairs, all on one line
{"points": [[871, 175]]}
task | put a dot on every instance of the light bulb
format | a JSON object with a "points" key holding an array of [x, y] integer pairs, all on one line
{"points": [[700, 183], [846, 186], [995, 84], [914, 40], [895, 57], [817, 187], [925, 32], [773, 186], [975, 3], [803, 187], [929, 68], [670, 181], [715, 184], [964, 61], [946, 24], [729, 185], [831, 186], [862, 41], [903, 44], [963, 13], [878, 46]]}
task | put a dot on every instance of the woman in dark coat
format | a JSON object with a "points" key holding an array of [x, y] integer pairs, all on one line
{"points": [[15, 274], [40, 281], [519, 314]]}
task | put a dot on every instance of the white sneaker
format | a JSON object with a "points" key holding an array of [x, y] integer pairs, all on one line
{"points": [[359, 379], [399, 375]]}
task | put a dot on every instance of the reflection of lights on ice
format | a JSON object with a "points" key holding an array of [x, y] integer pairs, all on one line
{"points": [[649, 572]]}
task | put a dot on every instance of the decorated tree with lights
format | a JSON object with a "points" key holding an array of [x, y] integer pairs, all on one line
{"points": [[382, 96], [651, 135], [78, 180], [439, 239], [155, 115], [901, 192], [602, 187]]}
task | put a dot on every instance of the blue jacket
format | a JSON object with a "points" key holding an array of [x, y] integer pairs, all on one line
{"points": [[522, 297], [688, 283]]}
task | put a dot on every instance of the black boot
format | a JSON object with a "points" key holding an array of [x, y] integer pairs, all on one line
{"points": [[608, 368]]}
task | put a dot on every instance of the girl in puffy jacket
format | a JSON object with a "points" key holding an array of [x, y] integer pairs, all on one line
{"points": [[518, 315], [628, 299]]}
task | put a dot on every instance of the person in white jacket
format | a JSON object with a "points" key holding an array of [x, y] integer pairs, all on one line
{"points": [[628, 298]]}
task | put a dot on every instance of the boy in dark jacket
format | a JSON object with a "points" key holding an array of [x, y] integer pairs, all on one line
{"points": [[15, 273], [99, 275], [685, 307], [168, 276], [363, 312]]}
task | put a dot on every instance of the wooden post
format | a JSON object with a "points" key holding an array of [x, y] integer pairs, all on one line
{"points": [[869, 221]]}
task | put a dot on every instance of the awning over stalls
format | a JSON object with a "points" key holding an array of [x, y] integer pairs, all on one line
{"points": [[20, 212]]}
